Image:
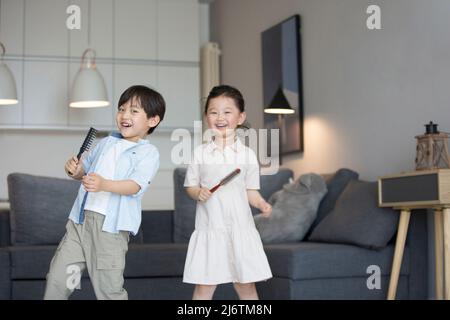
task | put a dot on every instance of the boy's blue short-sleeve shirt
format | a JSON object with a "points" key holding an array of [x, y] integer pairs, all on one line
{"points": [[138, 163]]}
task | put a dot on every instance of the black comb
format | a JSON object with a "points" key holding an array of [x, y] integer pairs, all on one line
{"points": [[226, 180], [87, 143]]}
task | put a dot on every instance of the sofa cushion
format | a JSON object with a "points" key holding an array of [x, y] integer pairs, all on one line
{"points": [[138, 238], [302, 260], [156, 260], [22, 257], [5, 269], [336, 184], [357, 219], [184, 213], [312, 260], [142, 260], [157, 226], [294, 209], [40, 207], [5, 233]]}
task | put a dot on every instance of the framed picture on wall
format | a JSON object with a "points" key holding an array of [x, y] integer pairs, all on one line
{"points": [[282, 84]]}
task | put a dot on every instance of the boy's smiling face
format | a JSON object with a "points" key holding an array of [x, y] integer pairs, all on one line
{"points": [[132, 120]]}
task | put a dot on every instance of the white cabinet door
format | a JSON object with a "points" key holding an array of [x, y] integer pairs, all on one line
{"points": [[102, 27], [135, 29], [180, 89], [154, 42], [45, 93], [127, 75], [11, 26], [178, 30], [99, 34], [45, 28], [12, 114]]}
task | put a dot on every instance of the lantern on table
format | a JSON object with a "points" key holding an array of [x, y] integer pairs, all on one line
{"points": [[432, 150]]}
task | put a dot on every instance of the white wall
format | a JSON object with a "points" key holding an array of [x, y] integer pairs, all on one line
{"points": [[151, 42], [367, 94]]}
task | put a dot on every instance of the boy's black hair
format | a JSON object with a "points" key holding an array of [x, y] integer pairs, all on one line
{"points": [[229, 92], [150, 100]]}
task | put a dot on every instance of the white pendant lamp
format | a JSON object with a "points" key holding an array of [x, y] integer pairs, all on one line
{"points": [[8, 91], [88, 89]]}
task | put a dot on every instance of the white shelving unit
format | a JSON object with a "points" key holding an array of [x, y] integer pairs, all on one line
{"points": [[150, 42]]}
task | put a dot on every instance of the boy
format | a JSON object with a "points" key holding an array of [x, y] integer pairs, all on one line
{"points": [[114, 176]]}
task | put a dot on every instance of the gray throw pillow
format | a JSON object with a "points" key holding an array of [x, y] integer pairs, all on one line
{"points": [[294, 209], [273, 183], [357, 219], [184, 212], [336, 184], [40, 207]]}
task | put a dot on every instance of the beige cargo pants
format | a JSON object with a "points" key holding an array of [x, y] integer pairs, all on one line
{"points": [[87, 246]]}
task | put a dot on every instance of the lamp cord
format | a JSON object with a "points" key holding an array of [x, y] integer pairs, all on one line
{"points": [[3, 51], [1, 44], [0, 19], [89, 24], [91, 61]]}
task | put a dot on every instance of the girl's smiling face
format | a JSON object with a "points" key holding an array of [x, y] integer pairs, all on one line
{"points": [[223, 116]]}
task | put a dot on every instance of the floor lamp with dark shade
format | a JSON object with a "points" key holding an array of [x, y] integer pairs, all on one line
{"points": [[280, 106]]}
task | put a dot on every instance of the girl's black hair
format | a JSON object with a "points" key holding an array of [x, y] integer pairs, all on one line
{"points": [[150, 100], [229, 92]]}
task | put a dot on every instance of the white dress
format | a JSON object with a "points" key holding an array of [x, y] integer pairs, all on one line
{"points": [[225, 245]]}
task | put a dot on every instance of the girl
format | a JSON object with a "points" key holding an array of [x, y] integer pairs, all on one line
{"points": [[225, 245]]}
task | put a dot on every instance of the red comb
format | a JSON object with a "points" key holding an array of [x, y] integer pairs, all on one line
{"points": [[226, 180]]}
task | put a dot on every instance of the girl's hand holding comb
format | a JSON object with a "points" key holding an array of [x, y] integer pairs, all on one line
{"points": [[74, 169], [203, 194]]}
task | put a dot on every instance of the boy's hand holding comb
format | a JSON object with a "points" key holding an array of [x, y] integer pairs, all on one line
{"points": [[87, 143], [74, 168]]}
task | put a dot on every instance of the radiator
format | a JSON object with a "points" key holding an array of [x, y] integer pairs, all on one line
{"points": [[210, 73]]}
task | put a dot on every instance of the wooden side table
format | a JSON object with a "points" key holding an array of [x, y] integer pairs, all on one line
{"points": [[428, 189], [442, 250]]}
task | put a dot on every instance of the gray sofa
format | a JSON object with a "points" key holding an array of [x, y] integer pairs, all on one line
{"points": [[30, 231]]}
